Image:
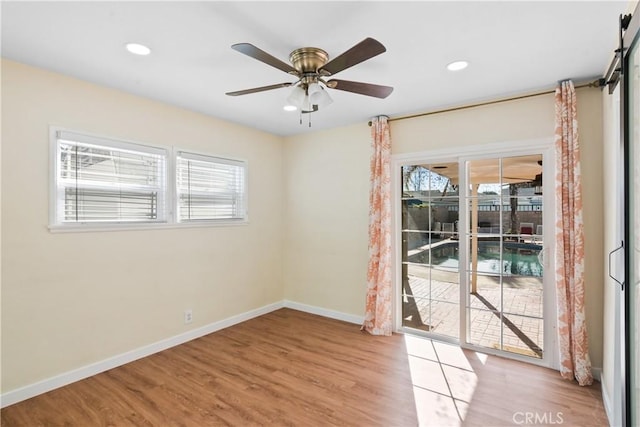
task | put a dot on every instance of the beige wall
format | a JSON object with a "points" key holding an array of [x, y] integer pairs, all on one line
{"points": [[70, 299], [327, 195], [590, 129], [529, 118], [326, 212]]}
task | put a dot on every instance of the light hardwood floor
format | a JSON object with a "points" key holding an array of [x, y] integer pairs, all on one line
{"points": [[294, 368]]}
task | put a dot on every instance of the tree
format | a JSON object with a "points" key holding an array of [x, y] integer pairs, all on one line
{"points": [[420, 178], [414, 177]]}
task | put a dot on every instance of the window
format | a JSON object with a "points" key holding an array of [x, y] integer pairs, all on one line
{"points": [[100, 182], [209, 188]]}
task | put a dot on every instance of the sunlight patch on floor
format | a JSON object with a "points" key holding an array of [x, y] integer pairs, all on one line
{"points": [[443, 381]]}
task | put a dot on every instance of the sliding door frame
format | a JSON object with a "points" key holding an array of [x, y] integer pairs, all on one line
{"points": [[544, 146], [397, 162]]}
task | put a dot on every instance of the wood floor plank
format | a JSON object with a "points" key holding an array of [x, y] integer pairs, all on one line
{"points": [[289, 368]]}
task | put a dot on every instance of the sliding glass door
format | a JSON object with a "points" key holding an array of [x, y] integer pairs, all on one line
{"points": [[472, 264], [430, 277], [505, 241]]}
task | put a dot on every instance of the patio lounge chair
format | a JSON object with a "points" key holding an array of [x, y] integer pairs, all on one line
{"points": [[525, 228]]}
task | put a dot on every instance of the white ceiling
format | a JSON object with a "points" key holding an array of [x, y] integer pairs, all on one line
{"points": [[513, 47]]}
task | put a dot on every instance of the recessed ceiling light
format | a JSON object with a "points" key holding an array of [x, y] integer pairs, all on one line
{"points": [[290, 108], [457, 65], [138, 49]]}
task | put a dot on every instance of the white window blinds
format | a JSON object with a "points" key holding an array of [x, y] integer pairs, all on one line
{"points": [[100, 180], [209, 188]]}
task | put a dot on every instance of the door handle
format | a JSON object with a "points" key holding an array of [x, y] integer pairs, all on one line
{"points": [[610, 256]]}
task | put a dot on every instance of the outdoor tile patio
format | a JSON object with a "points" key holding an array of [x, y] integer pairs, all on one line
{"points": [[432, 298]]}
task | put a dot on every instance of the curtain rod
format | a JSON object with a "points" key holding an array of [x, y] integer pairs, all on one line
{"points": [[597, 83]]}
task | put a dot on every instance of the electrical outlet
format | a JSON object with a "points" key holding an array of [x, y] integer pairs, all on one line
{"points": [[188, 316]]}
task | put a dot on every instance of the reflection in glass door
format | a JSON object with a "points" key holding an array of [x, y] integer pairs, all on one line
{"points": [[504, 240], [430, 278]]}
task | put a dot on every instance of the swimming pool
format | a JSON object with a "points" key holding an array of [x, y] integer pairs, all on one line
{"points": [[518, 259]]}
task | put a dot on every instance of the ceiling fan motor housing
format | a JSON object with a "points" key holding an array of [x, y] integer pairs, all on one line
{"points": [[308, 59]]}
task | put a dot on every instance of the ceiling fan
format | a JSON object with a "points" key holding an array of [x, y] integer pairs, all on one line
{"points": [[311, 66], [535, 181]]}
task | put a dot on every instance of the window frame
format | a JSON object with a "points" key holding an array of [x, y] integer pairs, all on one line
{"points": [[169, 210], [199, 156]]}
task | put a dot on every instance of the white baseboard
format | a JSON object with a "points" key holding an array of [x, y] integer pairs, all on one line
{"points": [[607, 403], [31, 390], [338, 315], [597, 373]]}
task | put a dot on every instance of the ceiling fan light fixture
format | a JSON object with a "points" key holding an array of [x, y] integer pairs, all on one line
{"points": [[289, 107], [297, 97], [318, 95]]}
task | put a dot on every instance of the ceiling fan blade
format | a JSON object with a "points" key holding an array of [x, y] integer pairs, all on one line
{"points": [[515, 180], [259, 54], [258, 89], [368, 89], [366, 49]]}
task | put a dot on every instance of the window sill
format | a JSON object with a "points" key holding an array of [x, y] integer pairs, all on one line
{"points": [[80, 228]]}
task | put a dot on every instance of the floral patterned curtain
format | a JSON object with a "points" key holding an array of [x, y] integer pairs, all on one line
{"points": [[378, 317], [572, 328]]}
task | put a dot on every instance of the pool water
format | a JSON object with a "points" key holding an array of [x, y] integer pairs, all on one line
{"points": [[518, 259]]}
